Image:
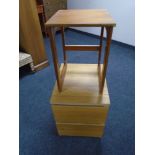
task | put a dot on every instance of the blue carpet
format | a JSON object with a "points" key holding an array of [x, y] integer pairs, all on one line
{"points": [[38, 135]]}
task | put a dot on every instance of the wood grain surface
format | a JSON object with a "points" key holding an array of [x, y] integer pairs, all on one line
{"points": [[31, 39], [80, 87], [80, 114], [80, 110], [81, 18], [80, 130]]}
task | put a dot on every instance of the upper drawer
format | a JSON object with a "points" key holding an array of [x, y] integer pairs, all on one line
{"points": [[80, 114]]}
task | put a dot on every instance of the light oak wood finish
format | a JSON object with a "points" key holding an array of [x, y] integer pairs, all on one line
{"points": [[82, 18], [80, 87], [100, 47], [63, 45], [63, 73], [65, 129], [80, 114], [31, 39], [55, 57], [107, 51], [79, 110]]}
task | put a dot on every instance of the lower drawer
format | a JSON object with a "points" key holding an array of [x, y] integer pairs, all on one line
{"points": [[65, 129]]}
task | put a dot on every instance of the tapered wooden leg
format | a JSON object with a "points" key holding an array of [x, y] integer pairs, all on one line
{"points": [[63, 44], [99, 58], [55, 57], [107, 50], [100, 49]]}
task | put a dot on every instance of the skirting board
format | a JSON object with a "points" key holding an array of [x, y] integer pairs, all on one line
{"points": [[41, 65]]}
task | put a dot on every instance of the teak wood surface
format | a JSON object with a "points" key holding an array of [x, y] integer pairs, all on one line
{"points": [[92, 18]]}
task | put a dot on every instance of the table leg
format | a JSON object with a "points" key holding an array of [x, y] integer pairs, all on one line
{"points": [[63, 44], [55, 57], [100, 49], [107, 50]]}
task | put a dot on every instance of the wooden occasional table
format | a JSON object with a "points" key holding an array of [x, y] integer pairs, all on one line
{"points": [[81, 18], [76, 94]]}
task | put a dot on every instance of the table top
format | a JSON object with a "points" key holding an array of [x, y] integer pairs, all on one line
{"points": [[78, 18]]}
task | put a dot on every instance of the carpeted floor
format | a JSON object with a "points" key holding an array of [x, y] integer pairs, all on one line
{"points": [[38, 135]]}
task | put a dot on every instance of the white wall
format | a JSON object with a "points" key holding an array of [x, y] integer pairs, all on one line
{"points": [[123, 12]]}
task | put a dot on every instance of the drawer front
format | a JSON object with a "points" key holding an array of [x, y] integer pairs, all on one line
{"points": [[80, 130], [80, 114]]}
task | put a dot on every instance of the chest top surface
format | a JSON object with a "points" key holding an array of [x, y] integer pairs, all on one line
{"points": [[81, 18], [80, 87]]}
